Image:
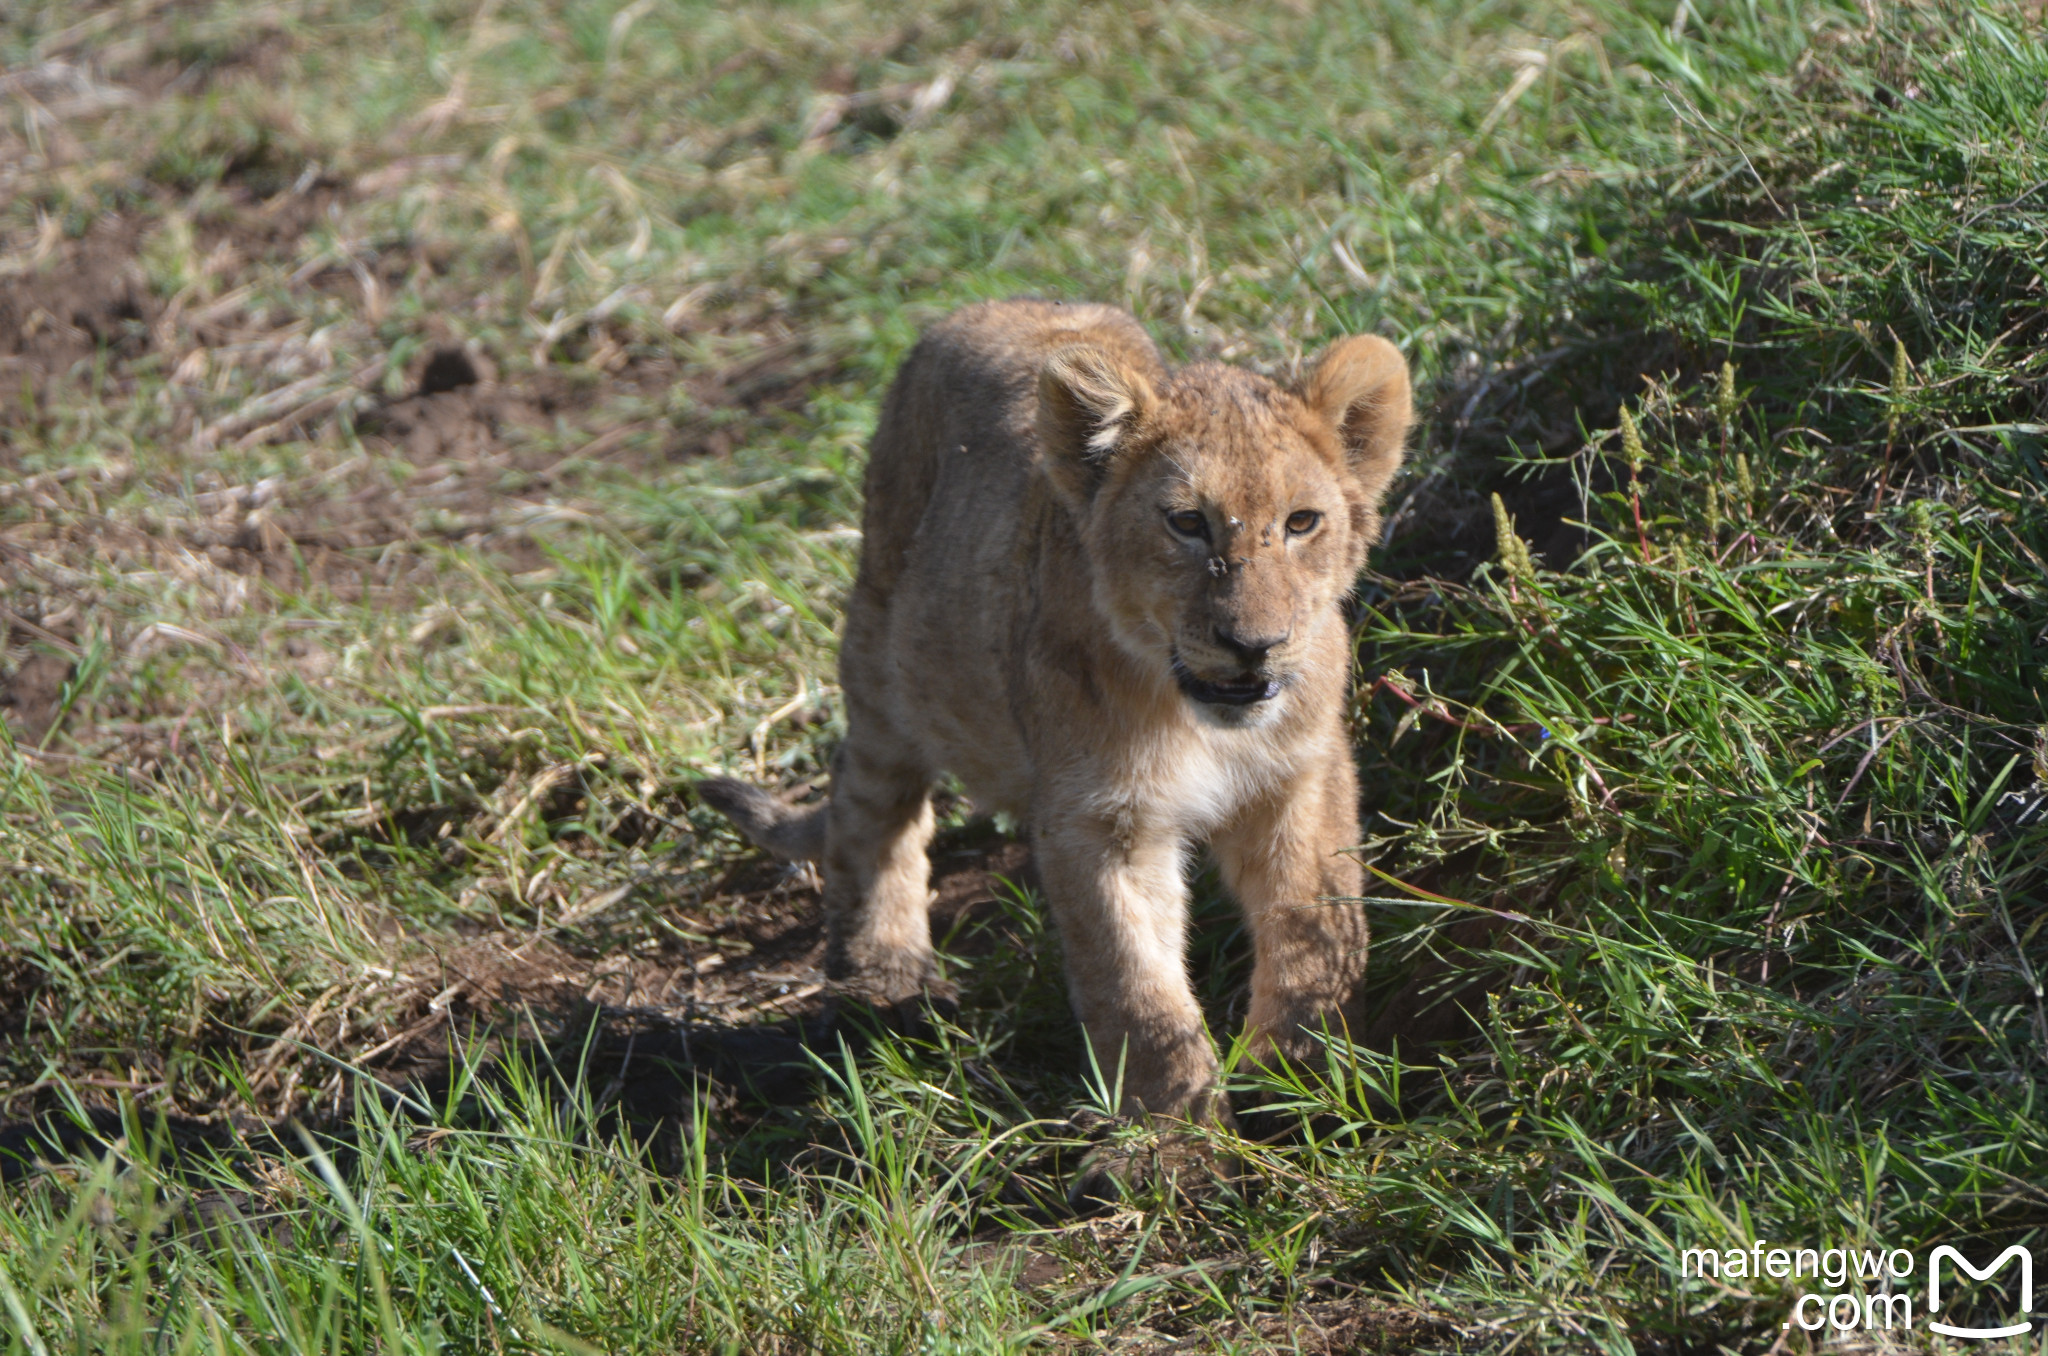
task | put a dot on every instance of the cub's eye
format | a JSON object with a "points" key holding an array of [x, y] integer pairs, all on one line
{"points": [[1302, 521], [1188, 523]]}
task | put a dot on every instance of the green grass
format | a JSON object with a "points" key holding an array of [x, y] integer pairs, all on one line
{"points": [[351, 897]]}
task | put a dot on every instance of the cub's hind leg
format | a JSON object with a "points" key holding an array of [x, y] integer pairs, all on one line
{"points": [[877, 876]]}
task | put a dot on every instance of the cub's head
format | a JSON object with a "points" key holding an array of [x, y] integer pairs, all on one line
{"points": [[1223, 515]]}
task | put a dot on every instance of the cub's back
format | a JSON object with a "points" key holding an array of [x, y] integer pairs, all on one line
{"points": [[947, 556], [953, 449]]}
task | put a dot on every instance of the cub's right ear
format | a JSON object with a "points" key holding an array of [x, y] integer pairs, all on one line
{"points": [[1089, 404]]}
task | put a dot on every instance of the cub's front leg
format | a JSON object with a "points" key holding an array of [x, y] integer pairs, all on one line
{"points": [[1120, 903], [1281, 859]]}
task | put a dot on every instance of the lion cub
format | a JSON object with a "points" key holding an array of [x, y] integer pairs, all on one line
{"points": [[1104, 594]]}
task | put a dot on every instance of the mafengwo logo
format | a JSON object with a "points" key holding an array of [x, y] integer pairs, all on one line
{"points": [[2015, 1252], [1875, 1302]]}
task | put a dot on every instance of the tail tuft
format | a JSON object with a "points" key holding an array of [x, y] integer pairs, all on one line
{"points": [[794, 833]]}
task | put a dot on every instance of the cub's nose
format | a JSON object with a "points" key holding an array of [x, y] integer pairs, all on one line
{"points": [[1250, 647]]}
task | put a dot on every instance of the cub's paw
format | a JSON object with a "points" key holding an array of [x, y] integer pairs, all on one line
{"points": [[1138, 1164], [885, 977], [894, 1002]]}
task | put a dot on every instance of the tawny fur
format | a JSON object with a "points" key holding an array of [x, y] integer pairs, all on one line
{"points": [[1032, 617]]}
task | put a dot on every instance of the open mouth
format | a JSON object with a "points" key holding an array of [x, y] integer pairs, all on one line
{"points": [[1246, 691]]}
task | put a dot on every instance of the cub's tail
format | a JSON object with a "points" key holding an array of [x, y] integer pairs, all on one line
{"points": [[795, 833]]}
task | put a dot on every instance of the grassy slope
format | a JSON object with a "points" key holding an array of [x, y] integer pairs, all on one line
{"points": [[1762, 773]]}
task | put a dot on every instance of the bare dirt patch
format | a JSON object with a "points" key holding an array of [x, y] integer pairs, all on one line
{"points": [[33, 694], [88, 297], [462, 458], [746, 955]]}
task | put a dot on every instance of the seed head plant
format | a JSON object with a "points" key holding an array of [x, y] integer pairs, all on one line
{"points": [[1726, 404], [1901, 377], [1921, 518], [1632, 451], [1632, 444], [1514, 554]]}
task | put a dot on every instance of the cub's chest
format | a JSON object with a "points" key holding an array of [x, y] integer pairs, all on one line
{"points": [[1192, 780]]}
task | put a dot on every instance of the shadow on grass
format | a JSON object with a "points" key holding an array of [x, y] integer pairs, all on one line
{"points": [[726, 1036]]}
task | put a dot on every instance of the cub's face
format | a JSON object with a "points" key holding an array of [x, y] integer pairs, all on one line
{"points": [[1223, 515]]}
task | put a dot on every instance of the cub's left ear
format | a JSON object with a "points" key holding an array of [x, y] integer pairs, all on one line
{"points": [[1361, 386]]}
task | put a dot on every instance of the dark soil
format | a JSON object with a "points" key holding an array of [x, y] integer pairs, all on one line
{"points": [[88, 298], [33, 694]]}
